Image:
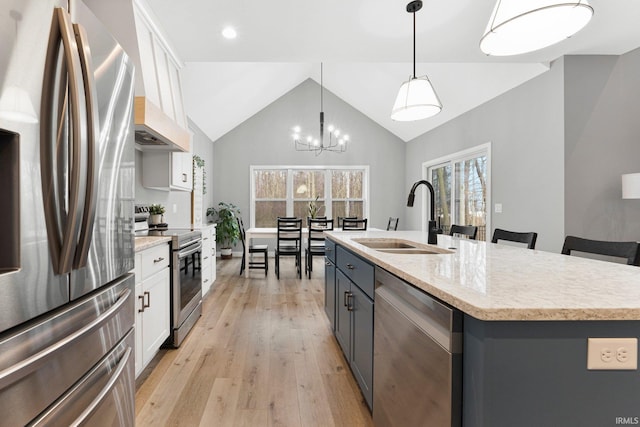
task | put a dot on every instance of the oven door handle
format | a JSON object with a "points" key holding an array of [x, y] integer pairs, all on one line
{"points": [[191, 250]]}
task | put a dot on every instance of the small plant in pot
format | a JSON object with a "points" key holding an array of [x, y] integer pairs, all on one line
{"points": [[227, 230], [155, 214]]}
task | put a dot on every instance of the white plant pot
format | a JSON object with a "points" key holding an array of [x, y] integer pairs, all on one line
{"points": [[155, 219], [225, 253]]}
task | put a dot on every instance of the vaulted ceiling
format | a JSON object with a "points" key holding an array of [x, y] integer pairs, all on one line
{"points": [[366, 48]]}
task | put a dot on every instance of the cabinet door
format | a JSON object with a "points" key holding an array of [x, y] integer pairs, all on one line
{"points": [[330, 292], [155, 321], [138, 327], [181, 173], [362, 343], [343, 315]]}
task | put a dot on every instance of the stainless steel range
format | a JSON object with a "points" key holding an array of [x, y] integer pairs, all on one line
{"points": [[186, 278]]}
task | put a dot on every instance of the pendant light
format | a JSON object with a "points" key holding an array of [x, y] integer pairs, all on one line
{"points": [[416, 99], [518, 26]]}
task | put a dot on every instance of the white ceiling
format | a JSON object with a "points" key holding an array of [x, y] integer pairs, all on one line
{"points": [[366, 46]]}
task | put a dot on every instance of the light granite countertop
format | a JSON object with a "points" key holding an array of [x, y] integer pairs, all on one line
{"points": [[500, 282], [147, 242]]}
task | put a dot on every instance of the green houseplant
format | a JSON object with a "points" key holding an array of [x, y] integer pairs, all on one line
{"points": [[227, 230]]}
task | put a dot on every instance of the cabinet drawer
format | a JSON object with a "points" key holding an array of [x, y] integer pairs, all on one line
{"points": [[154, 260], [355, 268], [330, 250]]}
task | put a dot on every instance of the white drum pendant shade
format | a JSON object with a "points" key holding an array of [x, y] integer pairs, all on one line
{"points": [[518, 26], [416, 100]]}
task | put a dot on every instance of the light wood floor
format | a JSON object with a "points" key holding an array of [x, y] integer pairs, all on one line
{"points": [[262, 354]]}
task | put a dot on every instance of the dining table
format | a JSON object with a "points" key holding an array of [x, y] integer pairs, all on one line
{"points": [[272, 233]]}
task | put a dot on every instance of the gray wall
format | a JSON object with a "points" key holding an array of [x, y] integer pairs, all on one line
{"points": [[203, 147], [265, 139], [602, 119], [526, 129]]}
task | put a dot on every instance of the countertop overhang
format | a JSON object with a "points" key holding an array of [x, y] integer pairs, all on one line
{"points": [[505, 283], [146, 242]]}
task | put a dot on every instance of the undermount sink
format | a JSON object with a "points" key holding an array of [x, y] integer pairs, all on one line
{"points": [[385, 244], [399, 246], [409, 251]]}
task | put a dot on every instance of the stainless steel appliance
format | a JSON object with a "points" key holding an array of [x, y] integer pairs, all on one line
{"points": [[417, 357], [186, 279], [67, 173]]}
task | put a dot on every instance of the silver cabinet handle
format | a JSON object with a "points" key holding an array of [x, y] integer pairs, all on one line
{"points": [[184, 177], [349, 301], [148, 295], [350, 266], [327, 263], [141, 309], [157, 260]]}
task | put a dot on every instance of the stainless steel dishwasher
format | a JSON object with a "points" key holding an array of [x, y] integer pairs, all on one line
{"points": [[417, 357]]}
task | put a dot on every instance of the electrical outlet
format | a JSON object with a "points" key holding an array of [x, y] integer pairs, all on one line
{"points": [[612, 353], [498, 208], [175, 208]]}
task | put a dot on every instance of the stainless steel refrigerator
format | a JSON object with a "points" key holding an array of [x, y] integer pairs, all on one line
{"points": [[66, 218]]}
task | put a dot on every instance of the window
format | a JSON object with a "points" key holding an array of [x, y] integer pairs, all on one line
{"points": [[287, 191], [461, 187]]}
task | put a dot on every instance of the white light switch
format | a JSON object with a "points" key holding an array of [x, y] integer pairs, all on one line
{"points": [[175, 208], [612, 353], [498, 208]]}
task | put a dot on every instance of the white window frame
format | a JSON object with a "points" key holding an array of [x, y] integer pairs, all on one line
{"points": [[452, 159], [327, 186]]}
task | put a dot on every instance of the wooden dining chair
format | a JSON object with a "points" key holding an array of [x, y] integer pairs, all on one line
{"points": [[253, 249], [392, 225], [469, 231], [528, 238], [289, 242], [354, 224], [628, 250], [315, 241]]}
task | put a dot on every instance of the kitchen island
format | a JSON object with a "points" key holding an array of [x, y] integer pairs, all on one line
{"points": [[527, 318]]}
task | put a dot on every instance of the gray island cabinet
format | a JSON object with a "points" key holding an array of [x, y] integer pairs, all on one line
{"points": [[528, 317], [349, 283]]}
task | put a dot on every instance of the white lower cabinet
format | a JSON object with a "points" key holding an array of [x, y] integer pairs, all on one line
{"points": [[208, 257], [152, 303]]}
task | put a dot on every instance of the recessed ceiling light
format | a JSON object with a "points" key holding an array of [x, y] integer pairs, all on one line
{"points": [[229, 33]]}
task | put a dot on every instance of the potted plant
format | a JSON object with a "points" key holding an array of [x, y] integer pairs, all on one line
{"points": [[155, 214], [227, 230], [314, 208]]}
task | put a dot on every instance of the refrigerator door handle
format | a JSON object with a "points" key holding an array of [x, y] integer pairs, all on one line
{"points": [[88, 216], [29, 364], [62, 242], [105, 391]]}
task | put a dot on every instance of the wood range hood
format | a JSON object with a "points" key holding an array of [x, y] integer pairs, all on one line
{"points": [[155, 130]]}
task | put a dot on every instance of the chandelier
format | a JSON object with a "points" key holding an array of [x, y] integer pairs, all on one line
{"points": [[335, 141]]}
